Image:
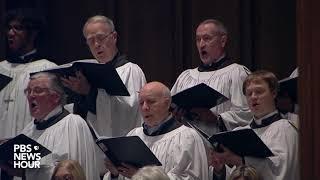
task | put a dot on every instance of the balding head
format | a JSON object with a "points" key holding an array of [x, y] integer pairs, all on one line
{"points": [[154, 101]]}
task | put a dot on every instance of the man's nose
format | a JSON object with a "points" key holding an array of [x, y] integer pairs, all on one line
{"points": [[202, 43], [254, 96], [30, 97], [10, 32], [145, 106], [97, 44]]}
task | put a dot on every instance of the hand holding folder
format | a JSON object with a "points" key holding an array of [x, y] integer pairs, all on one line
{"points": [[102, 76], [128, 149], [197, 102], [243, 142]]}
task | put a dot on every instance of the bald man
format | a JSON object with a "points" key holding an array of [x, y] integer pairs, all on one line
{"points": [[179, 148]]}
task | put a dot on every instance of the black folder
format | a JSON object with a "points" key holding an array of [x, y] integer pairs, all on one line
{"points": [[243, 142], [102, 76], [128, 149], [289, 85], [199, 96], [4, 81], [7, 147]]}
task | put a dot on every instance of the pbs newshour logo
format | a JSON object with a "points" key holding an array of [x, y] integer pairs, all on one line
{"points": [[26, 156]]}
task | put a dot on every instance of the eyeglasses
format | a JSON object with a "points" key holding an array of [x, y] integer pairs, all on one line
{"points": [[208, 38], [99, 38], [15, 28], [36, 91]]}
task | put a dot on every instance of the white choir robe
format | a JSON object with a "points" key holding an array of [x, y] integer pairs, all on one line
{"points": [[117, 115], [70, 138], [293, 118], [228, 81], [14, 109], [281, 138], [181, 152]]}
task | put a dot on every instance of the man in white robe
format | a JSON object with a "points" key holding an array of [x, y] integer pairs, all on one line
{"points": [[217, 71], [22, 59], [278, 134], [66, 135], [179, 148], [108, 115]]}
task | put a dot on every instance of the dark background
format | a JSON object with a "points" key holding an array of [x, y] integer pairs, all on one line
{"points": [[159, 35]]}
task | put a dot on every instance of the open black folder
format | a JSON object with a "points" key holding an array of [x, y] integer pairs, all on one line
{"points": [[102, 76], [128, 149], [4, 81], [199, 96], [243, 142], [7, 147], [289, 85]]}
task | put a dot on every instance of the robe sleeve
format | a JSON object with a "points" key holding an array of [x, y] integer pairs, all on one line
{"points": [[68, 140], [117, 115], [81, 146], [191, 163], [282, 140], [239, 113]]}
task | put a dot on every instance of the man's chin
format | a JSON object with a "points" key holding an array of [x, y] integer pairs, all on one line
{"points": [[206, 61]]}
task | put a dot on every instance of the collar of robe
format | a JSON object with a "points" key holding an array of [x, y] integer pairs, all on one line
{"points": [[266, 122], [28, 58], [119, 60], [164, 128], [225, 61], [41, 125]]}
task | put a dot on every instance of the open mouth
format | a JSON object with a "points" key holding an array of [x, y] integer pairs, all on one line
{"points": [[204, 53], [99, 53], [10, 41], [33, 106], [254, 105], [147, 116]]}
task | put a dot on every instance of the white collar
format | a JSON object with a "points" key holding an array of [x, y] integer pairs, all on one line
{"points": [[31, 52], [55, 111]]}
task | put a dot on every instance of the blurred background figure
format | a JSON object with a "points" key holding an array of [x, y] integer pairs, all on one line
{"points": [[68, 170], [244, 173], [150, 173]]}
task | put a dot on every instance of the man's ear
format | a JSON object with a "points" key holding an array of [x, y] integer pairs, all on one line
{"points": [[168, 102], [57, 98], [32, 36], [223, 40], [274, 94], [115, 36]]}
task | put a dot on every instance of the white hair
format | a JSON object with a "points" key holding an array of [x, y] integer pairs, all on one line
{"points": [[101, 19], [150, 173], [54, 84], [220, 26]]}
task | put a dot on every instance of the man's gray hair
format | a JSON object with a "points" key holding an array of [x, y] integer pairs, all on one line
{"points": [[54, 84], [101, 19], [221, 27]]}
